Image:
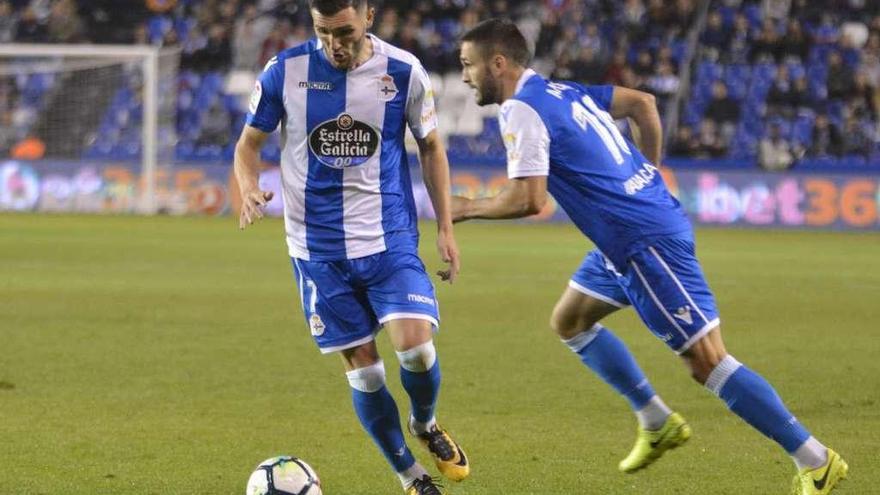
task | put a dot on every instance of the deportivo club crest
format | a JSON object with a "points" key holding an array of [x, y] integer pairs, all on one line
{"points": [[344, 141], [316, 325], [387, 88]]}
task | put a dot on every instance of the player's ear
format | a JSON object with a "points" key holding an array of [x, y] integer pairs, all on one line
{"points": [[498, 64], [371, 15]]}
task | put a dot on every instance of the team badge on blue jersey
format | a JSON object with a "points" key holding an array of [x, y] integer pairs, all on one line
{"points": [[387, 88], [344, 142]]}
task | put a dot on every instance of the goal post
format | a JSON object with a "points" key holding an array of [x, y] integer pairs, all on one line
{"points": [[77, 89]]}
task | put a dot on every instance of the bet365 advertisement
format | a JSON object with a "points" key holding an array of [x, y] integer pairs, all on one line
{"points": [[728, 198]]}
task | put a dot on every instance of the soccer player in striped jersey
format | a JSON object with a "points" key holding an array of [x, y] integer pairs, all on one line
{"points": [[343, 100], [561, 137]]}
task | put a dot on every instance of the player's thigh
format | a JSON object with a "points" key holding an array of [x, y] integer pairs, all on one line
{"points": [[398, 288], [593, 292], [337, 314], [576, 312], [667, 288]]}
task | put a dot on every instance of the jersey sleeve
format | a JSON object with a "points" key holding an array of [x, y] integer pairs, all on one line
{"points": [[420, 112], [267, 103], [526, 139]]}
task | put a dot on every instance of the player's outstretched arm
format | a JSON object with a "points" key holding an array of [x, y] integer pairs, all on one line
{"points": [[641, 107], [435, 173], [247, 173], [521, 197]]}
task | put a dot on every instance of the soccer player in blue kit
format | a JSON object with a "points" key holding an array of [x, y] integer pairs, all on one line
{"points": [[344, 100], [561, 138]]}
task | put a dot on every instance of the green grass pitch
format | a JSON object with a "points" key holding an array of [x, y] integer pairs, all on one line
{"points": [[169, 356]]}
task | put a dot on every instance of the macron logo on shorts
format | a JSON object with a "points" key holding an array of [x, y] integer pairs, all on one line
{"points": [[420, 299]]}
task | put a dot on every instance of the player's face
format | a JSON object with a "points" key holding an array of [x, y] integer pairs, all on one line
{"points": [[343, 34], [476, 73]]}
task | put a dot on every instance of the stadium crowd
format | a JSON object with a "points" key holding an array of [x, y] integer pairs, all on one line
{"points": [[773, 81]]}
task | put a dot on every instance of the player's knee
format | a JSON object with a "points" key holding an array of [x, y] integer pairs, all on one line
{"points": [[368, 379], [568, 323], [418, 359], [701, 365]]}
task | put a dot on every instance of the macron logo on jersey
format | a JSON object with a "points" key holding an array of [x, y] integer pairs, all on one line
{"points": [[640, 179]]}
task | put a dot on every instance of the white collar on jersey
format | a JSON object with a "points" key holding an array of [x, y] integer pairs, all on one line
{"points": [[526, 75]]}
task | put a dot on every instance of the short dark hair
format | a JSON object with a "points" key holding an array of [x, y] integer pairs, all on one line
{"points": [[499, 36], [330, 7]]}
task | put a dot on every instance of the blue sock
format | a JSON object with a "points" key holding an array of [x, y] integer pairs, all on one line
{"points": [[423, 389], [379, 415], [754, 400], [609, 358]]}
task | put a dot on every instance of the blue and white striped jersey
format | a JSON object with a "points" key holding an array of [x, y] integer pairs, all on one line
{"points": [[345, 179], [563, 130]]}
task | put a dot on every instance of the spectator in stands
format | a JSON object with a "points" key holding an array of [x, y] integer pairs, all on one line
{"points": [[215, 129], [857, 140], [767, 46], [614, 70], [217, 53], [592, 39], [827, 32], [8, 22], [861, 101], [664, 85], [841, 79], [715, 38], [776, 10], [30, 29], [682, 18], [550, 32], [801, 98], [685, 143], [387, 25], [632, 16], [780, 98], [65, 24], [739, 43], [774, 151], [273, 43], [826, 139], [711, 144], [250, 31], [796, 43], [588, 68], [722, 110], [644, 66]]}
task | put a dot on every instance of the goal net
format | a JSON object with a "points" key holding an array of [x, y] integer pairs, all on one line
{"points": [[72, 116]]}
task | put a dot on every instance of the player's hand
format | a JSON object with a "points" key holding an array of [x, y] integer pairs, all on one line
{"points": [[252, 205], [459, 208], [448, 250]]}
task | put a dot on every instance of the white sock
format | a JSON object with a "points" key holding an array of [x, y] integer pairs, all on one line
{"points": [[811, 454], [414, 472], [418, 428], [654, 414]]}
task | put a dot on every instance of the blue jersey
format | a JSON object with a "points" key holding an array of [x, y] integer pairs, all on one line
{"points": [[345, 179], [603, 182]]}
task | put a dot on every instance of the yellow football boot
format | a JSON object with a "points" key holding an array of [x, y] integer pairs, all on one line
{"points": [[651, 444], [821, 480], [448, 455]]}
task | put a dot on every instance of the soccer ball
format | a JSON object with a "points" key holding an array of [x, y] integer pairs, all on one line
{"points": [[284, 475]]}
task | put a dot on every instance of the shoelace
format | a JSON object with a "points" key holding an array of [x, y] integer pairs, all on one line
{"points": [[426, 486], [439, 445]]}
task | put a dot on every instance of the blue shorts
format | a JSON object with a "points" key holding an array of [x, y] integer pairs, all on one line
{"points": [[665, 285], [346, 302]]}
